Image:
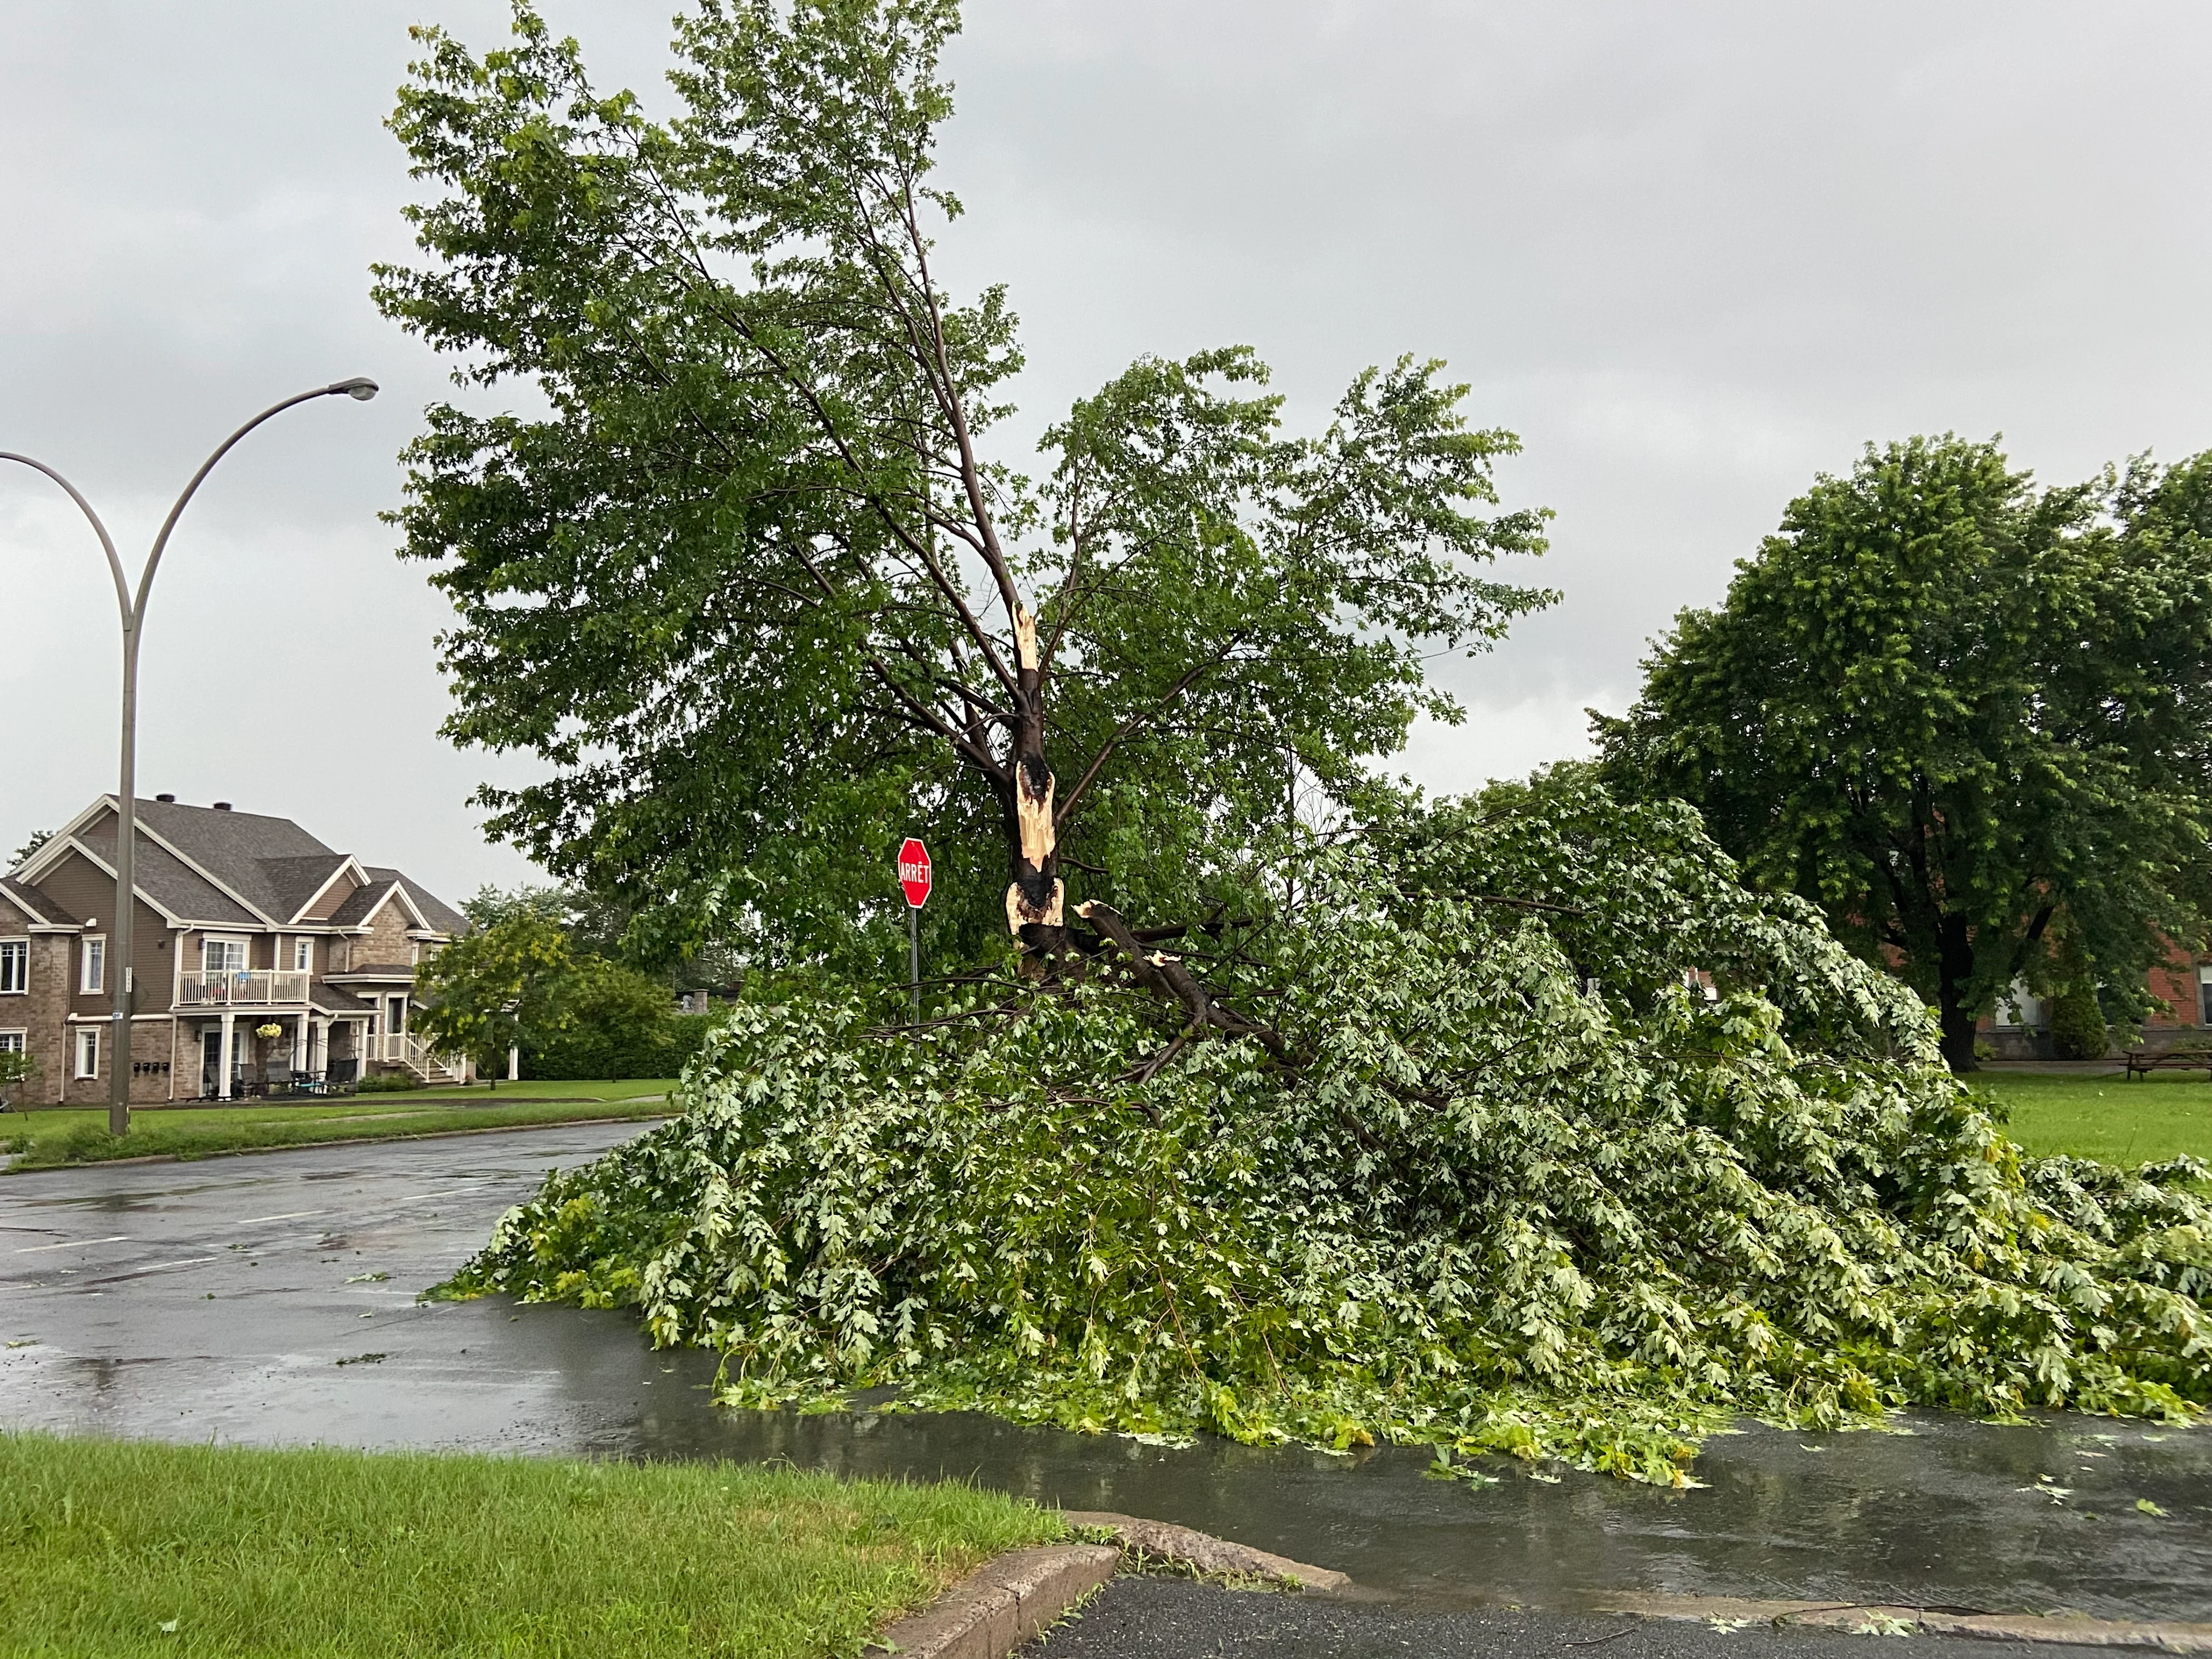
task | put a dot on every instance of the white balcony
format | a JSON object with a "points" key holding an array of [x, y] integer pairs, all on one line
{"points": [[245, 987]]}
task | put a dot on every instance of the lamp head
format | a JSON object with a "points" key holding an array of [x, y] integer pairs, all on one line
{"points": [[361, 388]]}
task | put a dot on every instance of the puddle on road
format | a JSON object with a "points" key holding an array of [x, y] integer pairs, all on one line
{"points": [[1956, 1514]]}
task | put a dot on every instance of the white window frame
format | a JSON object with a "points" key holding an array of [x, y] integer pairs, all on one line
{"points": [[86, 1049], [13, 1041], [20, 950], [94, 950], [303, 955], [245, 953]]}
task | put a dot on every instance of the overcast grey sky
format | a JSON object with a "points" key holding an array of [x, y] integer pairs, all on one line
{"points": [[1692, 253]]}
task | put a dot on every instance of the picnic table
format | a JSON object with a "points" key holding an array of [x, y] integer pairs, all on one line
{"points": [[2141, 1062]]}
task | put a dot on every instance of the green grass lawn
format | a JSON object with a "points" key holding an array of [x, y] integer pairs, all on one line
{"points": [[120, 1548], [45, 1138], [2101, 1115]]}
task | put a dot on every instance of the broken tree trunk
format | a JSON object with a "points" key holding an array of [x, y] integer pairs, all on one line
{"points": [[1034, 898]]}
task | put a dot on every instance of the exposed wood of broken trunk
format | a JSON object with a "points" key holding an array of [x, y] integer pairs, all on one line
{"points": [[1034, 898]]}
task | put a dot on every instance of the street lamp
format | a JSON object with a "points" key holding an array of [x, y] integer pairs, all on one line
{"points": [[133, 614]]}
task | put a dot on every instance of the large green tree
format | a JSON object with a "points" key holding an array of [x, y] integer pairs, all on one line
{"points": [[1963, 715], [753, 578], [522, 980], [509, 983]]}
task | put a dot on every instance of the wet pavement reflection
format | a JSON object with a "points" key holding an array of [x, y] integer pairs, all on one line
{"points": [[270, 1300]]}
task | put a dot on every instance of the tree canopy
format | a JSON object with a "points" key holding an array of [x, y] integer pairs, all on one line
{"points": [[756, 584], [1963, 715]]}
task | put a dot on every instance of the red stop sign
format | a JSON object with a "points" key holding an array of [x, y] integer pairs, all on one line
{"points": [[914, 871]]}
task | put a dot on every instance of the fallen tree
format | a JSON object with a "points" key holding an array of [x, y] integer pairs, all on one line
{"points": [[1497, 1172]]}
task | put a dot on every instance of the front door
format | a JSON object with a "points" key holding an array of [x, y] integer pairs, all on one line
{"points": [[210, 1063], [395, 1015]]}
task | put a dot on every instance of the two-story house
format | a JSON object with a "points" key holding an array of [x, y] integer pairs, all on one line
{"points": [[244, 923]]}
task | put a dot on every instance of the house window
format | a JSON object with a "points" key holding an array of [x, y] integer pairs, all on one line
{"points": [[2204, 995], [94, 960], [87, 1051], [303, 955], [13, 1042], [15, 966], [222, 956], [2017, 1010]]}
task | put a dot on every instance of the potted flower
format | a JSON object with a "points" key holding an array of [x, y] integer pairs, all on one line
{"points": [[267, 1034]]}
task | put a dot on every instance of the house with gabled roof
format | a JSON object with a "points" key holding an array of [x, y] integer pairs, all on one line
{"points": [[246, 924]]}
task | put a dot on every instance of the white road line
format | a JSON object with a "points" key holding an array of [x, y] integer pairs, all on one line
{"points": [[71, 1243], [157, 1266], [288, 1215]]}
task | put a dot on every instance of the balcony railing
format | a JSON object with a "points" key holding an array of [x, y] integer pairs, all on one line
{"points": [[244, 987]]}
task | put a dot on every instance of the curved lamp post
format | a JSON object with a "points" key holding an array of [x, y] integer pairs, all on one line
{"points": [[132, 610]]}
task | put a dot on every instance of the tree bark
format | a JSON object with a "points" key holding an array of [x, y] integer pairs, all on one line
{"points": [[1955, 967]]}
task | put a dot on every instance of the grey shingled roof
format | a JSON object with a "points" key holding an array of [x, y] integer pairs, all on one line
{"points": [[235, 848], [272, 863], [435, 911], [359, 904], [36, 904], [173, 885], [298, 879], [331, 1000]]}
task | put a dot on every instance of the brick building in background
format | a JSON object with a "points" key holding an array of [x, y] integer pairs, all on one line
{"points": [[244, 922], [2181, 1012]]}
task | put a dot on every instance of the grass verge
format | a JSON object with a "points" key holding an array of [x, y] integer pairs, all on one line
{"points": [[2096, 1114], [2102, 1115], [48, 1140], [121, 1547]]}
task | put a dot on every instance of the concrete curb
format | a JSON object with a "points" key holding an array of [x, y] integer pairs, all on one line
{"points": [[1209, 1554], [1001, 1605], [2070, 1629]]}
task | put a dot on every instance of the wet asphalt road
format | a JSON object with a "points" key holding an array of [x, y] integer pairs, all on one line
{"points": [[1175, 1619], [270, 1298]]}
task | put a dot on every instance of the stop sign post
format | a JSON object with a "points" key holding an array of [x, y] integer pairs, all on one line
{"points": [[914, 880]]}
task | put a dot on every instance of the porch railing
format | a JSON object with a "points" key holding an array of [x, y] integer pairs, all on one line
{"points": [[257, 986], [400, 1049]]}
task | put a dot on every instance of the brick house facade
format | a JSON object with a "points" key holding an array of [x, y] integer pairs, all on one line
{"points": [[243, 922], [2181, 1012]]}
